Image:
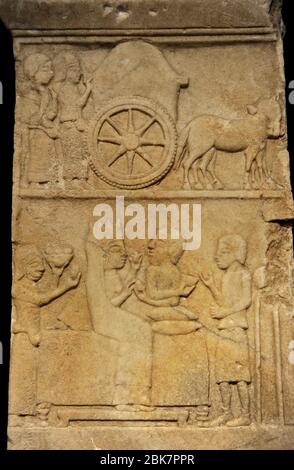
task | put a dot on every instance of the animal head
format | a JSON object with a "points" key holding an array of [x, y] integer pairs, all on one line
{"points": [[270, 108]]}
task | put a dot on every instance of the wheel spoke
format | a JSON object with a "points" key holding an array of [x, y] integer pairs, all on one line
{"points": [[152, 143], [110, 140], [114, 125], [144, 155], [130, 160], [146, 126], [118, 154], [131, 126]]}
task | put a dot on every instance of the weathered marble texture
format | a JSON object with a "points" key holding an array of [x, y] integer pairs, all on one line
{"points": [[139, 344]]}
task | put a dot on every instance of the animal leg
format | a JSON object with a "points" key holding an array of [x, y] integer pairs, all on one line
{"points": [[197, 183], [268, 180], [194, 156], [261, 173], [254, 176], [202, 176], [250, 157], [217, 184], [187, 166], [205, 175]]}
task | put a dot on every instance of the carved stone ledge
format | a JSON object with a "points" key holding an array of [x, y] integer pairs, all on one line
{"points": [[105, 438], [139, 14], [153, 193]]}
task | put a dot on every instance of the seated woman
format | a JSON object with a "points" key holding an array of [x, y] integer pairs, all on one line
{"points": [[163, 285], [180, 373]]}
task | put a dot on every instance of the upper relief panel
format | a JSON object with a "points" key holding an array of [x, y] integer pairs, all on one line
{"points": [[110, 113]]}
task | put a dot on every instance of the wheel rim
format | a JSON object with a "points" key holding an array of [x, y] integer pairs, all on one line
{"points": [[132, 142]]}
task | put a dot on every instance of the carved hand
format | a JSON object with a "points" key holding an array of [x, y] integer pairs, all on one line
{"points": [[139, 287], [207, 279], [89, 83], [130, 285], [74, 280], [186, 290], [126, 291], [50, 131], [136, 262], [173, 301], [218, 313]]}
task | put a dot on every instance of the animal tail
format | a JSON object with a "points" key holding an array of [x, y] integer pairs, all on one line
{"points": [[182, 147]]}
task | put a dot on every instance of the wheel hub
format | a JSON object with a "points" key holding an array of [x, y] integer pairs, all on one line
{"points": [[131, 141]]}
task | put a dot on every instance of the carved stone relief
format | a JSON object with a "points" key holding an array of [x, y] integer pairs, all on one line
{"points": [[121, 332]]}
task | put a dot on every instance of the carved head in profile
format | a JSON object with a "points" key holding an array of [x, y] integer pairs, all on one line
{"points": [[32, 263], [38, 69], [35, 269], [161, 251], [231, 248], [115, 255], [68, 67]]}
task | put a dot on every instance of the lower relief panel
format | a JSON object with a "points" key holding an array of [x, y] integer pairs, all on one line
{"points": [[194, 348]]}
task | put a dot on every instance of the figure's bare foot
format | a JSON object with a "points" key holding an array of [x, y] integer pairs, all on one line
{"points": [[243, 420], [219, 421]]}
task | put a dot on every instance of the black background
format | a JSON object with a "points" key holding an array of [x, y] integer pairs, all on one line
{"points": [[6, 155]]}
